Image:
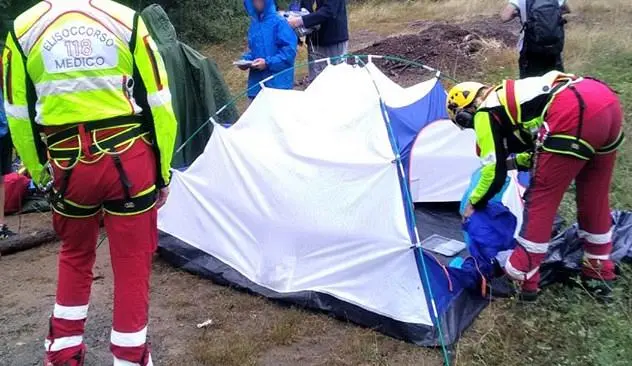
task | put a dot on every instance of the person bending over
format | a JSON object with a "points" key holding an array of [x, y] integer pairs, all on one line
{"points": [[573, 126]]}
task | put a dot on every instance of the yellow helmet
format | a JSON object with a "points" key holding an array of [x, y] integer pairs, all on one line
{"points": [[461, 96]]}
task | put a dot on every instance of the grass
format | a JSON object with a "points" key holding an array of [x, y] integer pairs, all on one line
{"points": [[390, 17], [566, 326]]}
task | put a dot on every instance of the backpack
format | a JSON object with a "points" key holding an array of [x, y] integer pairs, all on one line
{"points": [[544, 27]]}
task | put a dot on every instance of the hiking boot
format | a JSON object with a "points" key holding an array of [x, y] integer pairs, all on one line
{"points": [[77, 359], [601, 290], [5, 233], [501, 287], [527, 296]]}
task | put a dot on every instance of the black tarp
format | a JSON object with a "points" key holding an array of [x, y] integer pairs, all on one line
{"points": [[197, 87], [443, 219], [565, 253], [438, 219]]}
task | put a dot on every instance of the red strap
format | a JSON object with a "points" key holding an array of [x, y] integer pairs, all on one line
{"points": [[512, 105], [86, 141]]}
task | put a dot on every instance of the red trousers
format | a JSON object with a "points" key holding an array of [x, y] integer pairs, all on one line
{"points": [[551, 176], [132, 240]]}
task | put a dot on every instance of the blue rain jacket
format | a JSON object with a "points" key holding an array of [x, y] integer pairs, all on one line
{"points": [[487, 232], [4, 127], [271, 38]]}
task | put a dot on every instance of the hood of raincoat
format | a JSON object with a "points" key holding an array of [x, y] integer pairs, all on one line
{"points": [[271, 38], [269, 9]]}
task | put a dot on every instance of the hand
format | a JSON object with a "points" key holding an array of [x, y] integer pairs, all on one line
{"points": [[259, 64], [41, 178], [163, 194], [524, 161], [295, 22], [469, 211]]}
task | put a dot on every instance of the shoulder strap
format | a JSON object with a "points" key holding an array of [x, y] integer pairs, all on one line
{"points": [[31, 97], [132, 42], [511, 103], [582, 109]]}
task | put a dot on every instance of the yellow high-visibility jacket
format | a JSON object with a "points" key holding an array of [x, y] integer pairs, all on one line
{"points": [[68, 62], [518, 113]]}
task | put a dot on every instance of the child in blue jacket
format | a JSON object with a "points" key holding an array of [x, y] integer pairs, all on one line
{"points": [[272, 43]]}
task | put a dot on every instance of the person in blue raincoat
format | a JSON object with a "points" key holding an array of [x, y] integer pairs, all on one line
{"points": [[272, 47]]}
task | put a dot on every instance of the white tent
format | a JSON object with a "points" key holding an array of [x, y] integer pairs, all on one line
{"points": [[304, 200], [443, 157]]}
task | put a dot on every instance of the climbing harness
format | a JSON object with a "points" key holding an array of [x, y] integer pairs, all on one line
{"points": [[575, 145], [120, 135], [556, 143]]}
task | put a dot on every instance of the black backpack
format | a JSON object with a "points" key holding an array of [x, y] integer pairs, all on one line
{"points": [[544, 28]]}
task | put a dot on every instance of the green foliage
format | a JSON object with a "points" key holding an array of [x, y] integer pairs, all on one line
{"points": [[209, 21], [565, 327], [197, 21]]}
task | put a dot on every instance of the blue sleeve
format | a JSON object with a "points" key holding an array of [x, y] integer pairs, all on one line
{"points": [[286, 43], [4, 125], [248, 56]]}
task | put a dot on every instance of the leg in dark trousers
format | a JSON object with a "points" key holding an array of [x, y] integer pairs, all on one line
{"points": [[533, 64]]}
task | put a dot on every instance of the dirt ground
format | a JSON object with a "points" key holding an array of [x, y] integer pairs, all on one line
{"points": [[245, 330], [455, 49]]}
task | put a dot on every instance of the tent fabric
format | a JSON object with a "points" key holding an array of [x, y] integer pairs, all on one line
{"points": [[312, 209], [276, 162], [311, 206], [565, 252], [442, 160], [438, 157], [197, 87], [408, 121], [460, 309]]}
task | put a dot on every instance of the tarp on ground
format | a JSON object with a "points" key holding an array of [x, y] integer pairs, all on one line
{"points": [[198, 89], [312, 208]]}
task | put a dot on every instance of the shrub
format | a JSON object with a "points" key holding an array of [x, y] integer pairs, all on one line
{"points": [[197, 21]]}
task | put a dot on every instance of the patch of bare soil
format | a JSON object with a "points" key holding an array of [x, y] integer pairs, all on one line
{"points": [[452, 48], [245, 329], [32, 230]]}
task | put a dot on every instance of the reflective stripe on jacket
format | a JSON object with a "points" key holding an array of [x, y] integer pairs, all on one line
{"points": [[68, 62], [514, 109]]}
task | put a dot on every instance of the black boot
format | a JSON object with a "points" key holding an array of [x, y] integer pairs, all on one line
{"points": [[528, 296]]}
